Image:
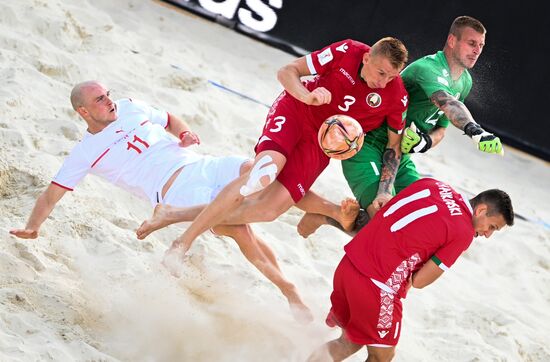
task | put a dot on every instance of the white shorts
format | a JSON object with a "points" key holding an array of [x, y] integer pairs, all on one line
{"points": [[200, 182]]}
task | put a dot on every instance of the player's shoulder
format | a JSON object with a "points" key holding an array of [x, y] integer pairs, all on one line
{"points": [[396, 88], [131, 104], [429, 62], [356, 44], [348, 47], [467, 76]]}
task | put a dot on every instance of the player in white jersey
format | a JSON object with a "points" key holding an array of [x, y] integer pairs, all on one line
{"points": [[131, 145]]}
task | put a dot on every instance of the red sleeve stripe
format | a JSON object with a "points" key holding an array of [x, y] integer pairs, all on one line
{"points": [[63, 187], [168, 121], [100, 157]]}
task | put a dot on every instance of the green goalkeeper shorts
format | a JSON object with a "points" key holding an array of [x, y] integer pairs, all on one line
{"points": [[362, 172]]}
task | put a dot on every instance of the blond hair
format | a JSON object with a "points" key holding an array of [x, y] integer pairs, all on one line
{"points": [[393, 49]]}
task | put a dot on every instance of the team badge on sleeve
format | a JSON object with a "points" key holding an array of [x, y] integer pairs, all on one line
{"points": [[325, 56]]}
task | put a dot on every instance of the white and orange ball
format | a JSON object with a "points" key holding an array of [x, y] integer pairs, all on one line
{"points": [[341, 137]]}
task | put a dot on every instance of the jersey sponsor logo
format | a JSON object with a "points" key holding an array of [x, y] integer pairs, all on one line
{"points": [[348, 77], [443, 81], [374, 100], [342, 48], [325, 56], [383, 334], [404, 100], [301, 189]]}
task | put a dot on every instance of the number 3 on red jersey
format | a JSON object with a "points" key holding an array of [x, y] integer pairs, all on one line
{"points": [[279, 121]]}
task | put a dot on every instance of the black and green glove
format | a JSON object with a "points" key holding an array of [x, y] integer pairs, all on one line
{"points": [[486, 142], [415, 141]]}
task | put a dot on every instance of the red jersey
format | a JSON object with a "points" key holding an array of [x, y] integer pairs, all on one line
{"points": [[428, 219], [338, 68]]}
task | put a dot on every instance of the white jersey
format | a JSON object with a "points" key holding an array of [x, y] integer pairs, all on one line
{"points": [[134, 152]]}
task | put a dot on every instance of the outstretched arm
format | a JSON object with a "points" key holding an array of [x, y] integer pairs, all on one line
{"points": [[43, 207], [390, 163], [460, 116]]}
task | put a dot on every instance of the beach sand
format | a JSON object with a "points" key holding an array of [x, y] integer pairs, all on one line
{"points": [[88, 290]]}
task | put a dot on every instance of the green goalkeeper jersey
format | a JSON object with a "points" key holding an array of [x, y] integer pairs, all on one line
{"points": [[423, 78]]}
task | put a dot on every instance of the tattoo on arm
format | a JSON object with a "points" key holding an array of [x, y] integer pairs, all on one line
{"points": [[390, 164], [455, 110]]}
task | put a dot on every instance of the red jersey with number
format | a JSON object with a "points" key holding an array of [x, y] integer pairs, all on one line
{"points": [[426, 220], [134, 152], [338, 68]]}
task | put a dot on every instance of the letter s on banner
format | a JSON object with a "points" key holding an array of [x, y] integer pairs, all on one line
{"points": [[268, 15]]}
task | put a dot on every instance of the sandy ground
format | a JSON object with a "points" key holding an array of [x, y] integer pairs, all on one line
{"points": [[88, 290]]}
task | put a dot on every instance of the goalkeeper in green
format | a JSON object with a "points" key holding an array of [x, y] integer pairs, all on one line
{"points": [[437, 85]]}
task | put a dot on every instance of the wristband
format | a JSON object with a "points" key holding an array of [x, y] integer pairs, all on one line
{"points": [[183, 134], [473, 129]]}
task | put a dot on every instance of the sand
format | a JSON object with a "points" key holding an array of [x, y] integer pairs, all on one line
{"points": [[88, 290]]}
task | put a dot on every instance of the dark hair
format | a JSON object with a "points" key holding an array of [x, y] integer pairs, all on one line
{"points": [[466, 22], [498, 202], [393, 49]]}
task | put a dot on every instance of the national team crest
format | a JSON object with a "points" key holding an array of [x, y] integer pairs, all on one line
{"points": [[374, 100]]}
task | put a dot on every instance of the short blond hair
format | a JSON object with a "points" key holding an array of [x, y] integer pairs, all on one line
{"points": [[393, 49]]}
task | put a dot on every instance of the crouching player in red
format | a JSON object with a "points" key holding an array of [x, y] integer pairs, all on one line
{"points": [[410, 242]]}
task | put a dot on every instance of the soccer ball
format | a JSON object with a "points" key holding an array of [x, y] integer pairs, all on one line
{"points": [[340, 137]]}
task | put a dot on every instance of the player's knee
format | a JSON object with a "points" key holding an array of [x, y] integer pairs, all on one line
{"points": [[239, 232], [271, 214], [262, 174], [246, 167]]}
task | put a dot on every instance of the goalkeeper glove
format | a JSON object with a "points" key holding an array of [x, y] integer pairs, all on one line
{"points": [[486, 142], [415, 140]]}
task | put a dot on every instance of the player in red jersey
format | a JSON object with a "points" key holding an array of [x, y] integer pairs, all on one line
{"points": [[410, 242], [352, 79]]}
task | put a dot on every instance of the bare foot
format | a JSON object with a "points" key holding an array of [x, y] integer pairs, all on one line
{"points": [[159, 220], [301, 313], [310, 223], [173, 260], [349, 209]]}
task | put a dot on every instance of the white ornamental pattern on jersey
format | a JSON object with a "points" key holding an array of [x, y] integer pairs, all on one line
{"points": [[399, 276]]}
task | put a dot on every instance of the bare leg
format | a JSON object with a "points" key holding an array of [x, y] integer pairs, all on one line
{"points": [[262, 257], [164, 215], [264, 206], [226, 201], [335, 350], [345, 217], [380, 354]]}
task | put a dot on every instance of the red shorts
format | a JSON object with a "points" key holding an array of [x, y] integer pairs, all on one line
{"points": [[288, 131], [367, 314]]}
